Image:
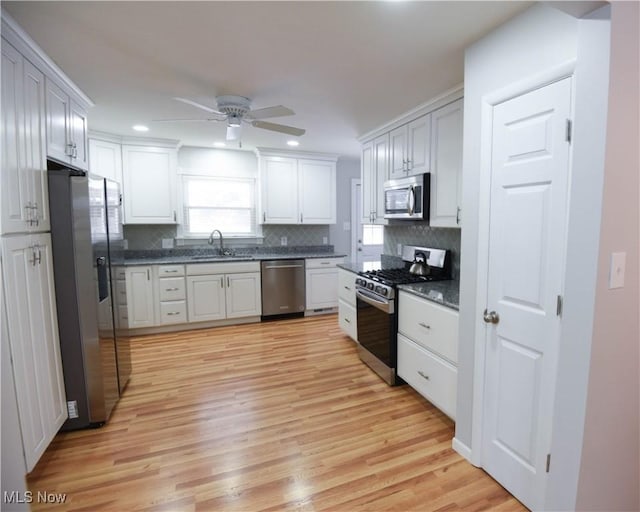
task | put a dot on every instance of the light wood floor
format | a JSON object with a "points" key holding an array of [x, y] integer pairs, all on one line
{"points": [[273, 416]]}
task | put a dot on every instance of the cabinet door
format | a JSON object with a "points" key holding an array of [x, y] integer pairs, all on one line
{"points": [[139, 297], [398, 140], [34, 137], [243, 295], [381, 158], [317, 191], [58, 129], [322, 288], [367, 181], [419, 145], [148, 189], [446, 166], [33, 338], [78, 136], [105, 159], [15, 201], [279, 178], [206, 298]]}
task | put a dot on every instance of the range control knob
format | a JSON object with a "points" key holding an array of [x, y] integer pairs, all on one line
{"points": [[370, 286], [384, 291]]}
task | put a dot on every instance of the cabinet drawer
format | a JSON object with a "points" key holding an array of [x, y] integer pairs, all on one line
{"points": [[174, 312], [323, 262], [171, 288], [347, 286], [170, 270], [432, 377], [430, 325], [121, 292], [347, 319], [123, 316], [120, 273]]}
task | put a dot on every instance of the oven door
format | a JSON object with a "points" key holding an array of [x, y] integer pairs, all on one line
{"points": [[377, 333]]}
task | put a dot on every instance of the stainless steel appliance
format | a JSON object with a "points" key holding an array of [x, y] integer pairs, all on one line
{"points": [[86, 234], [376, 296], [407, 198], [283, 287]]}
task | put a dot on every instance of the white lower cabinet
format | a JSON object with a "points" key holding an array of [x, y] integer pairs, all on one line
{"points": [[170, 294], [140, 301], [428, 349], [33, 339], [322, 283], [218, 291], [347, 303]]}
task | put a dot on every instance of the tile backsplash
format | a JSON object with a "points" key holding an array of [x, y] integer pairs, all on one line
{"points": [[422, 235], [150, 236]]}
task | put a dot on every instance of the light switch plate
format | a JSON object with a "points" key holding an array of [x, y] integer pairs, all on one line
{"points": [[399, 249], [283, 240], [325, 240], [616, 270]]}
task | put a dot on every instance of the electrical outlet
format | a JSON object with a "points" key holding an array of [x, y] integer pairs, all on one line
{"points": [[125, 244], [616, 270], [283, 240], [167, 243], [346, 226], [399, 249], [325, 240]]}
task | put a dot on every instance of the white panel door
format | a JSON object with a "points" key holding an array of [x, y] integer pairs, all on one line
{"points": [[58, 129], [105, 159], [79, 136], [419, 145], [15, 190], [322, 288], [35, 151], [279, 178], [398, 140], [206, 298], [140, 299], [529, 190], [446, 166], [243, 295], [317, 191]]}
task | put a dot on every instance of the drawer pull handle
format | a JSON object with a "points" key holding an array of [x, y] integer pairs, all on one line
{"points": [[426, 377], [422, 324], [174, 271], [171, 289], [325, 263], [172, 313], [347, 320], [347, 288]]}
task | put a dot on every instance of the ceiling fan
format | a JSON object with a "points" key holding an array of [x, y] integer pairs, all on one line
{"points": [[236, 110]]}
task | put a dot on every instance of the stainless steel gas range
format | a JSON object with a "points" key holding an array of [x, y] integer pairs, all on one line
{"points": [[376, 294]]}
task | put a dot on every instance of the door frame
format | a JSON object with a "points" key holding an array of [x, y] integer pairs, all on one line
{"points": [[531, 83]]}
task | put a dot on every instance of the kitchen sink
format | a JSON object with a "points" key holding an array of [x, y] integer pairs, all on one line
{"points": [[219, 257]]}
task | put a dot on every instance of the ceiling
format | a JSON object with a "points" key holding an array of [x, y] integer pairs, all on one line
{"points": [[345, 68]]}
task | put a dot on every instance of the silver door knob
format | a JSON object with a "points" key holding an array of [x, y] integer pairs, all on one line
{"points": [[491, 317]]}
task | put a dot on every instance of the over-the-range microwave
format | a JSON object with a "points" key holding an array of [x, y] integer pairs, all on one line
{"points": [[407, 198]]}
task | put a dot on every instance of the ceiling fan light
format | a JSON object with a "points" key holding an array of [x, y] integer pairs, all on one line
{"points": [[234, 121], [233, 132]]}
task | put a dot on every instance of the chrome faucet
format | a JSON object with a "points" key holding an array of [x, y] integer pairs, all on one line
{"points": [[221, 240]]}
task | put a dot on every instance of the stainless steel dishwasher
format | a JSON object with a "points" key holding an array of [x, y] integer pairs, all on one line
{"points": [[283, 287]]}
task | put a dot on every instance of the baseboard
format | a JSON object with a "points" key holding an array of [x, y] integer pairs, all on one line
{"points": [[462, 449]]}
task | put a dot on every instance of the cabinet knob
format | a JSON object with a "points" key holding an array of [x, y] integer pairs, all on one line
{"points": [[490, 317]]}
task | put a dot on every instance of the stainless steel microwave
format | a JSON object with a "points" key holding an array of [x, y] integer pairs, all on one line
{"points": [[407, 198]]}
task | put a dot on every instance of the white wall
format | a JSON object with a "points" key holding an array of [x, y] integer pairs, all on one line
{"points": [[217, 162], [610, 466], [536, 47], [346, 169]]}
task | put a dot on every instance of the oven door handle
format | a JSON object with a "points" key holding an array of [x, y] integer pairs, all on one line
{"points": [[382, 305]]}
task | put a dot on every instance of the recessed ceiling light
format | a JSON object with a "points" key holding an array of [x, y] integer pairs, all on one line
{"points": [[140, 128], [219, 144], [293, 143]]}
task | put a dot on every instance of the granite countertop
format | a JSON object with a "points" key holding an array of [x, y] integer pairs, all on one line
{"points": [[446, 293], [168, 257]]}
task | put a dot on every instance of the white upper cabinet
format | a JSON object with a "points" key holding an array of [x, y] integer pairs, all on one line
{"points": [[149, 177], [105, 159], [317, 191], [374, 172], [409, 148], [279, 183], [298, 189], [446, 166], [24, 167], [67, 131]]}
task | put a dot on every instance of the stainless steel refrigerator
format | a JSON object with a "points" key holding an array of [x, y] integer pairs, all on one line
{"points": [[87, 244]]}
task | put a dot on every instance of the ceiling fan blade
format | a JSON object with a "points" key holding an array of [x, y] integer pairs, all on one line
{"points": [[290, 130], [233, 132], [198, 105], [182, 120], [276, 111]]}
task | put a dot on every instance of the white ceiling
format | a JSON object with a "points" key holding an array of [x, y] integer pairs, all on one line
{"points": [[345, 68]]}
